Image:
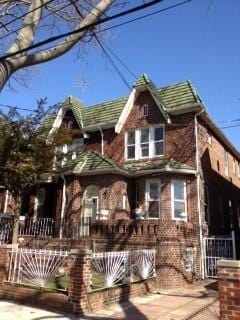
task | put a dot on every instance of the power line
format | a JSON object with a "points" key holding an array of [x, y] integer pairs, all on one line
{"points": [[124, 23], [14, 107], [113, 64], [44, 17], [86, 27], [107, 55], [25, 14]]}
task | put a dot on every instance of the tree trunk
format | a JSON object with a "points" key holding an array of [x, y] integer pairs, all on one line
{"points": [[5, 73]]}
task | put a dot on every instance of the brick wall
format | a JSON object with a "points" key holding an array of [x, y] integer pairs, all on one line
{"points": [[222, 188], [229, 289]]}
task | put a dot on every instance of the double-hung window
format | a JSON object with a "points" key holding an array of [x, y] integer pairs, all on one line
{"points": [[144, 143], [158, 141], [131, 145], [179, 200], [153, 198]]}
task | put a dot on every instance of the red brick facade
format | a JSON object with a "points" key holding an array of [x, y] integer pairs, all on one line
{"points": [[229, 289]]}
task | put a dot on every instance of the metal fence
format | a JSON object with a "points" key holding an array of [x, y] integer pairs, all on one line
{"points": [[41, 268], [217, 248], [6, 229], [114, 268]]}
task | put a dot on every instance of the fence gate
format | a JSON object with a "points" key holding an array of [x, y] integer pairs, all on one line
{"points": [[217, 248]]}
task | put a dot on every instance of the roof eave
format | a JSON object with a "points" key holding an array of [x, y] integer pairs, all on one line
{"points": [[186, 108], [165, 170]]}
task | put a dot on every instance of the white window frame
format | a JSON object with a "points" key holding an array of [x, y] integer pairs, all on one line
{"points": [[141, 143], [129, 145], [184, 218], [144, 110], [138, 142], [147, 199]]}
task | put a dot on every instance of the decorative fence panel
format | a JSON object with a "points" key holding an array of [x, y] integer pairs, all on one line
{"points": [[6, 229], [41, 268], [114, 268], [217, 248]]}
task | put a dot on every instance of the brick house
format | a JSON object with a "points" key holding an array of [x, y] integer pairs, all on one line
{"points": [[154, 156]]}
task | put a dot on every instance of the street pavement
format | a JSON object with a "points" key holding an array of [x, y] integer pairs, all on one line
{"points": [[195, 302]]}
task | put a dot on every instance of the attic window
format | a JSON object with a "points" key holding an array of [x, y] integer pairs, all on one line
{"points": [[144, 110]]}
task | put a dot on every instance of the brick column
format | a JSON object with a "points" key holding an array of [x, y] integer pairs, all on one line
{"points": [[79, 280], [229, 289], [4, 265]]}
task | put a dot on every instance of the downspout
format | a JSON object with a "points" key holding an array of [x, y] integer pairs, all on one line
{"points": [[102, 151], [199, 196], [63, 206], [6, 202]]}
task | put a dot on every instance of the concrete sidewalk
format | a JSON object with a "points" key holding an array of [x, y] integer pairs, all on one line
{"points": [[195, 302]]}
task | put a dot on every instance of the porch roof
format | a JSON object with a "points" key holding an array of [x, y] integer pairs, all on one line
{"points": [[92, 162]]}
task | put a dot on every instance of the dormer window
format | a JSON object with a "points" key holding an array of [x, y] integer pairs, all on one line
{"points": [[144, 110]]}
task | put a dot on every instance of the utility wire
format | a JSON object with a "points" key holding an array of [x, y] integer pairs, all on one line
{"points": [[113, 64], [124, 23], [25, 14], [44, 17], [84, 28], [107, 55]]}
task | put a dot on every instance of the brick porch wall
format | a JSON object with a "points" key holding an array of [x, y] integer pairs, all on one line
{"points": [[229, 289]]}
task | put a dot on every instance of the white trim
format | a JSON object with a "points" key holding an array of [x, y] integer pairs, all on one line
{"points": [[173, 199], [147, 197], [126, 110], [151, 142]]}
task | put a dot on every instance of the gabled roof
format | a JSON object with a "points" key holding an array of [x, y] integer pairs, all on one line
{"points": [[108, 113]]}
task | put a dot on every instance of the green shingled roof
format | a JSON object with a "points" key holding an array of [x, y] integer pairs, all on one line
{"points": [[91, 162], [173, 96], [165, 165]]}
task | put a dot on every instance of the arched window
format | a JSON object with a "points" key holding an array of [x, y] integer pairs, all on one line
{"points": [[91, 201]]}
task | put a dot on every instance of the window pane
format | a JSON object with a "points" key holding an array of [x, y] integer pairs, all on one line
{"points": [[153, 210], [158, 148], [158, 134], [131, 137], [153, 191], [144, 151], [144, 135], [179, 189], [131, 152], [179, 208]]}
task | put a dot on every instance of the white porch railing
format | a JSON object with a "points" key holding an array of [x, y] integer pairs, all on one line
{"points": [[36, 227]]}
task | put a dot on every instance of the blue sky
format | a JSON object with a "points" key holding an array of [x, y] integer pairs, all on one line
{"points": [[191, 42]]}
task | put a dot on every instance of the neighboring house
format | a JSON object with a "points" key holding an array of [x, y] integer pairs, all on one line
{"points": [[155, 154]]}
